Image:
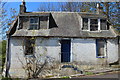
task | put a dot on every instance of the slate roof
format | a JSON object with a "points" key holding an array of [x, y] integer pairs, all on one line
{"points": [[68, 25]]}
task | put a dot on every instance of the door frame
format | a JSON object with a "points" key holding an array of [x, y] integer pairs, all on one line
{"points": [[70, 50]]}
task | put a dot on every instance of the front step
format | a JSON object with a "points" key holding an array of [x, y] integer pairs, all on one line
{"points": [[67, 70]]}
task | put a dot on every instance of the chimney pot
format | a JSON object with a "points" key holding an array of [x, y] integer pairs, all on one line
{"points": [[99, 8]]}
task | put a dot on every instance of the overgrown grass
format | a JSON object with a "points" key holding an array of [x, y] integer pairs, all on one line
{"points": [[6, 79], [64, 77], [89, 73], [12, 79]]}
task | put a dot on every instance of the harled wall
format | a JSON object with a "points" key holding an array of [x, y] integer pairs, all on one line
{"points": [[82, 51]]}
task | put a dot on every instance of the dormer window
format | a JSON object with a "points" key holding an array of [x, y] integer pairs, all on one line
{"points": [[103, 25], [91, 24], [40, 22], [85, 23], [34, 23]]}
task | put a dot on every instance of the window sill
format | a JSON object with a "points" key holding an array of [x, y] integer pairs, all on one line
{"points": [[100, 57], [98, 31], [29, 56]]}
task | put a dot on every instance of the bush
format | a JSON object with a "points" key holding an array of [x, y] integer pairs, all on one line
{"points": [[2, 53]]}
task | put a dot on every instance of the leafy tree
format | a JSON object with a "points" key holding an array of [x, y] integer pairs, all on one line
{"points": [[2, 53]]}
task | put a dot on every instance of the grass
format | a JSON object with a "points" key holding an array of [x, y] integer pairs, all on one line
{"points": [[89, 73], [64, 77], [6, 79]]}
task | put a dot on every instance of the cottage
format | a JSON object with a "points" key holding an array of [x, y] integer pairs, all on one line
{"points": [[67, 37]]}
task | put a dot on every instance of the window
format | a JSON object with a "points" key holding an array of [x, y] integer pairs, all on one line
{"points": [[29, 46], [85, 24], [43, 22], [103, 25], [34, 23], [100, 47], [93, 24]]}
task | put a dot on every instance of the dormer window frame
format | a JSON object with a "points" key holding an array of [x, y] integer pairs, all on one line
{"points": [[30, 23], [99, 24], [106, 25]]}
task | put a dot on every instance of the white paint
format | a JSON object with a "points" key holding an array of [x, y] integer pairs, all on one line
{"points": [[50, 47], [99, 24], [88, 24], [112, 50], [16, 52], [82, 50]]}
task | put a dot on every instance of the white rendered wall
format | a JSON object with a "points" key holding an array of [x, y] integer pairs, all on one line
{"points": [[112, 50], [82, 50], [50, 47], [17, 60]]}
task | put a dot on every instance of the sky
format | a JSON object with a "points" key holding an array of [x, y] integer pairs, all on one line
{"points": [[31, 6]]}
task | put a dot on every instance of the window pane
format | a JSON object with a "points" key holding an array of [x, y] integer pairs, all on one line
{"points": [[85, 24], [93, 24], [34, 20], [43, 22], [29, 46], [33, 27], [100, 47], [103, 24]]}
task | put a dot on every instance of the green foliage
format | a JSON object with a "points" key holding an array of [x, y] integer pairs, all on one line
{"points": [[6, 79], [2, 52], [64, 77], [88, 73]]}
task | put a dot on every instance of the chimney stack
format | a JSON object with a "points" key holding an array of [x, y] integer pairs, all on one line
{"points": [[99, 9], [22, 7]]}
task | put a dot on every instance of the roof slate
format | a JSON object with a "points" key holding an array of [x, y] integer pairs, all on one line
{"points": [[68, 25]]}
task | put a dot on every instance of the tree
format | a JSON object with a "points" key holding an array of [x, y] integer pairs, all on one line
{"points": [[35, 64], [2, 54], [5, 22], [6, 18], [111, 10], [68, 6]]}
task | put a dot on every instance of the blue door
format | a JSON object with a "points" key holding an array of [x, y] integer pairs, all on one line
{"points": [[65, 50]]}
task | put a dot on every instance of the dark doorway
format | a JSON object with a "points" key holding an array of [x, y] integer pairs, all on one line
{"points": [[65, 50]]}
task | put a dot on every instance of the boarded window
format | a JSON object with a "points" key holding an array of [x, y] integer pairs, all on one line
{"points": [[100, 46], [93, 24], [43, 22], [29, 46], [34, 23], [103, 25], [85, 24]]}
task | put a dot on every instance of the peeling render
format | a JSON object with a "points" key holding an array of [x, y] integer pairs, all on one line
{"points": [[83, 51]]}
